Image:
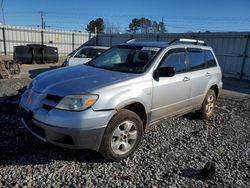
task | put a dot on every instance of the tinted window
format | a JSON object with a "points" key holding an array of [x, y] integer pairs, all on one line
{"points": [[196, 60], [176, 60], [210, 59]]}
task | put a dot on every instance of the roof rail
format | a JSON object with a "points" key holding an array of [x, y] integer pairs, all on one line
{"points": [[130, 40], [192, 41]]}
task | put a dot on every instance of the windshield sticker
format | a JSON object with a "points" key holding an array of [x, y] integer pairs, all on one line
{"points": [[151, 49]]}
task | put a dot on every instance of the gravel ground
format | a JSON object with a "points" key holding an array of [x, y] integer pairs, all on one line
{"points": [[172, 154], [13, 87]]}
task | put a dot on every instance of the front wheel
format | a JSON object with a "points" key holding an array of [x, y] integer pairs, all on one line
{"points": [[208, 105], [122, 136]]}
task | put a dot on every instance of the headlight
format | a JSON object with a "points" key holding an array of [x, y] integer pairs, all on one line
{"points": [[77, 102]]}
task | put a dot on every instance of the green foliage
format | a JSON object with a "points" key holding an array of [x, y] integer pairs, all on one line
{"points": [[98, 24], [145, 25]]}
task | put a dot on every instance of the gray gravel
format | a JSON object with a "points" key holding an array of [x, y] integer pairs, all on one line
{"points": [[170, 155], [13, 86]]}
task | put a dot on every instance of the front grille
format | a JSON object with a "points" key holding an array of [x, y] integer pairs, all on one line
{"points": [[51, 101], [53, 98], [48, 107], [28, 116], [65, 140]]}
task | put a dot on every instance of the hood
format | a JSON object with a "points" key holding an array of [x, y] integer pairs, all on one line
{"points": [[78, 79]]}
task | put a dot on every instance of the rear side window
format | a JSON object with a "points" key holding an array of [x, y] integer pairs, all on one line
{"points": [[196, 59], [210, 59], [176, 59]]}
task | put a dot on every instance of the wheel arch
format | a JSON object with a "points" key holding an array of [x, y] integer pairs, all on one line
{"points": [[215, 88], [139, 109]]}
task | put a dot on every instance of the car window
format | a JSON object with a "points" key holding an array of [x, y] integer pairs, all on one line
{"points": [[210, 58], [116, 56], [176, 60], [133, 59], [88, 53], [196, 59]]}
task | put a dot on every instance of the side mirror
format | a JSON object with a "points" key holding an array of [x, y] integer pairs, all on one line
{"points": [[165, 72]]}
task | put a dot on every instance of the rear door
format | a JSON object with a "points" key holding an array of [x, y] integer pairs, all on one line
{"points": [[171, 94], [200, 75]]}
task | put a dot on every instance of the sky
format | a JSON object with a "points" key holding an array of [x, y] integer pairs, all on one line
{"points": [[178, 15]]}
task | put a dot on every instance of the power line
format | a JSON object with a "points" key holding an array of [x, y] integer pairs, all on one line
{"points": [[190, 23]]}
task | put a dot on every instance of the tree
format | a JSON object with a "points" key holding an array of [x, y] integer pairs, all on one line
{"points": [[162, 27], [145, 25], [155, 27], [97, 24], [112, 28], [134, 25]]}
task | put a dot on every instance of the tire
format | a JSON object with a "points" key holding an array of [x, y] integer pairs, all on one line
{"points": [[122, 136], [208, 105]]}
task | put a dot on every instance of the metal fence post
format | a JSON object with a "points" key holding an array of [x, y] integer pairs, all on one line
{"points": [[244, 56], [42, 37], [157, 37], [89, 35], [4, 41], [110, 40], [73, 41], [96, 39]]}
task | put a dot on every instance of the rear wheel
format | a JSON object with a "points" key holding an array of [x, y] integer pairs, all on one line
{"points": [[122, 136], [208, 105]]}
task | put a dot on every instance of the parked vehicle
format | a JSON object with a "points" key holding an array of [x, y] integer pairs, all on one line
{"points": [[83, 55], [107, 104]]}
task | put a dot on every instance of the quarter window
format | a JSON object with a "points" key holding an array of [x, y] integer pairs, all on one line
{"points": [[210, 59], [176, 60]]}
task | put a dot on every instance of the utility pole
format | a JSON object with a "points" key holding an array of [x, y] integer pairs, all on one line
{"points": [[42, 20], [95, 36], [3, 12], [162, 25]]}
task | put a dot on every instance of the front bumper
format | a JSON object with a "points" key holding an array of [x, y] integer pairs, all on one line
{"points": [[74, 130]]}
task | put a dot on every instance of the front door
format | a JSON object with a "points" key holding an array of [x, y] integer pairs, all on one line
{"points": [[171, 94]]}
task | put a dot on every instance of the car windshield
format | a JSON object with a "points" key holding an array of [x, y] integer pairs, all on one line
{"points": [[130, 59], [88, 52]]}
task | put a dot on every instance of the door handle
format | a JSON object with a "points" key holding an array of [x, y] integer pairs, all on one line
{"points": [[185, 79], [208, 74]]}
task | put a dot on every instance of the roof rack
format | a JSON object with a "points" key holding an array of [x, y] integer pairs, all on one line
{"points": [[191, 41], [130, 40]]}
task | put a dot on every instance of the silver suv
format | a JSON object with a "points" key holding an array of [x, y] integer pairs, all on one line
{"points": [[107, 104]]}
